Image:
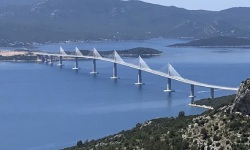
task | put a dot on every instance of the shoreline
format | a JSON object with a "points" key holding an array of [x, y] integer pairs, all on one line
{"points": [[201, 106], [29, 56], [209, 46]]}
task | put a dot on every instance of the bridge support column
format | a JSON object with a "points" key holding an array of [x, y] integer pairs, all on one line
{"points": [[169, 86], [139, 79], [192, 91], [46, 59], [43, 58], [39, 58], [51, 60], [212, 93], [76, 64], [60, 62], [94, 67], [115, 72]]}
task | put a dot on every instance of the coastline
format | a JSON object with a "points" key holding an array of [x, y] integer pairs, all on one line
{"points": [[30, 56], [201, 106], [210, 46]]}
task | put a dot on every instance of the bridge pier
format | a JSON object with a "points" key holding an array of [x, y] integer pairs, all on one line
{"points": [[51, 60], [94, 67], [43, 58], [211, 92], [192, 91], [169, 86], [60, 62], [39, 58], [115, 72], [76, 64], [139, 79], [46, 59]]}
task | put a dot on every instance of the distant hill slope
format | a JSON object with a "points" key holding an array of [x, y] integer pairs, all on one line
{"points": [[61, 20], [216, 42]]}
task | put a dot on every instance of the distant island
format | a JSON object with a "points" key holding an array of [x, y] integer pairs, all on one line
{"points": [[221, 41], [134, 52], [30, 56]]}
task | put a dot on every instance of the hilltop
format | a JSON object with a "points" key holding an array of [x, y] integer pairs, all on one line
{"points": [[45, 21]]}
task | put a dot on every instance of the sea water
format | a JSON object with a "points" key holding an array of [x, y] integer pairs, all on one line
{"points": [[46, 107]]}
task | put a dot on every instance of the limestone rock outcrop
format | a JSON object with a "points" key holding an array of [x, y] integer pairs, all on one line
{"points": [[242, 101]]}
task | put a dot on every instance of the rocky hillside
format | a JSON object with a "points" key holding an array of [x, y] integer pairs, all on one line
{"points": [[215, 129], [212, 130], [242, 101], [61, 20]]}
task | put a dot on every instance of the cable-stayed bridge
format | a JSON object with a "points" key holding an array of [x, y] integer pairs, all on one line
{"points": [[94, 55]]}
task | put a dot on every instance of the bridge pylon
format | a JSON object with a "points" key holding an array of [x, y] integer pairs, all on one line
{"points": [[96, 55], [62, 53], [117, 59], [77, 53], [169, 82], [142, 64]]}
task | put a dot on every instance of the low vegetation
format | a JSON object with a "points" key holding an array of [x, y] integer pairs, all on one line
{"points": [[216, 102]]}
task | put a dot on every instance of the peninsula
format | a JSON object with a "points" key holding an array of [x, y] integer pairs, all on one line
{"points": [[28, 55], [17, 55], [221, 41]]}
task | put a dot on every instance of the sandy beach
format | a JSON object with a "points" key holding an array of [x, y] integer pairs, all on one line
{"points": [[12, 53], [202, 106]]}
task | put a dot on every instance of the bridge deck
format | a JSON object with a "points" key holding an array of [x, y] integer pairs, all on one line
{"points": [[163, 74]]}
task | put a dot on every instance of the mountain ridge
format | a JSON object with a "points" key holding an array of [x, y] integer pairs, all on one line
{"points": [[62, 20]]}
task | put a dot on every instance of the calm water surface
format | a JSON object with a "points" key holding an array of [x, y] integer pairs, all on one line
{"points": [[45, 107]]}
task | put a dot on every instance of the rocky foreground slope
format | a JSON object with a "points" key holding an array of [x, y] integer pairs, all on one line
{"points": [[225, 128], [242, 101]]}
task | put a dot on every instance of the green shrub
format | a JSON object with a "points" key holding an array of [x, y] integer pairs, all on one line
{"points": [[79, 143], [216, 138]]}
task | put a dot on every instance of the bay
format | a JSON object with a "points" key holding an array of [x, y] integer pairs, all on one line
{"points": [[46, 107]]}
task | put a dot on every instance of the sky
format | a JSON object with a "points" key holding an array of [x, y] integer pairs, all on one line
{"points": [[214, 5]]}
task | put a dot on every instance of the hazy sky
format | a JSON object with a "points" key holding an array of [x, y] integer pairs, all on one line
{"points": [[202, 4]]}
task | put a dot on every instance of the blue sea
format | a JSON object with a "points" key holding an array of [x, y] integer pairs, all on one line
{"points": [[44, 107]]}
